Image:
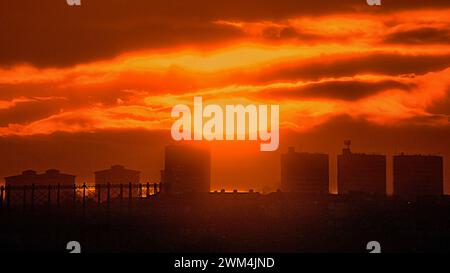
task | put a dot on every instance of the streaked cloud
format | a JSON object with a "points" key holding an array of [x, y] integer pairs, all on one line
{"points": [[124, 67]]}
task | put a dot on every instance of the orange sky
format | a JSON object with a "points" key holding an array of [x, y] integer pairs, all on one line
{"points": [[105, 68]]}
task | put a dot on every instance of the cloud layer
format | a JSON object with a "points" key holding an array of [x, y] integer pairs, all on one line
{"points": [[116, 65]]}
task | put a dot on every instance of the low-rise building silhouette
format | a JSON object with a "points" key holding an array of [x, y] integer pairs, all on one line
{"points": [[34, 185], [304, 173], [187, 169], [27, 177], [364, 173], [418, 175], [50, 177], [117, 175]]}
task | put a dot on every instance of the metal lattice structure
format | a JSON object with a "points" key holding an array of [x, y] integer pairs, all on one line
{"points": [[74, 195]]}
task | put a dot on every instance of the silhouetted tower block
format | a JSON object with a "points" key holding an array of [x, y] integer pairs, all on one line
{"points": [[418, 175], [187, 169], [117, 175], [304, 172], [61, 186], [361, 172]]}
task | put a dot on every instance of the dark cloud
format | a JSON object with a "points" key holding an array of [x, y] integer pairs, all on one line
{"points": [[50, 33], [284, 33], [426, 35], [67, 97], [376, 63], [12, 91], [30, 111], [442, 106], [427, 120], [33, 102], [343, 90], [58, 46], [413, 4]]}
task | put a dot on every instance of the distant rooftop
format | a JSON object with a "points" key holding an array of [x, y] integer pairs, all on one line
{"points": [[416, 155], [33, 173], [291, 150], [117, 168]]}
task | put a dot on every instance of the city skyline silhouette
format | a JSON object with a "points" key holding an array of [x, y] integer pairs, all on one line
{"points": [[81, 97], [187, 166], [95, 97]]}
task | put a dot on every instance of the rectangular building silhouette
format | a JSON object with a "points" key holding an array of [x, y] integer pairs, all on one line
{"points": [[31, 185], [117, 175], [363, 173], [187, 169], [418, 175], [305, 173]]}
